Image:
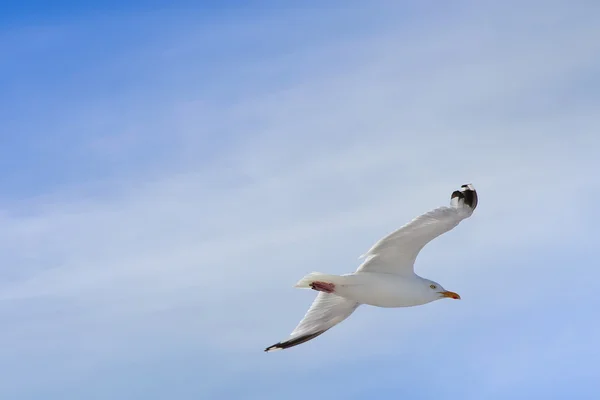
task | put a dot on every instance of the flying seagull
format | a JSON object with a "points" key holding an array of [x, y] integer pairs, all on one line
{"points": [[386, 278]]}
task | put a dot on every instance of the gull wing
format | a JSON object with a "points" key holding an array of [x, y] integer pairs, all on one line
{"points": [[396, 253], [326, 311]]}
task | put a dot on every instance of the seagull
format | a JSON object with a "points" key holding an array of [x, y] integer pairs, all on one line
{"points": [[386, 278]]}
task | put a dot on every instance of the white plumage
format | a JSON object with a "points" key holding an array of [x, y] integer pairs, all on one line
{"points": [[386, 278]]}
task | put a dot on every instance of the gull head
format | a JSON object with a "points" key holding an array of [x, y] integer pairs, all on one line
{"points": [[437, 291]]}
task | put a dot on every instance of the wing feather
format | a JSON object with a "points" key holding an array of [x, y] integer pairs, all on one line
{"points": [[326, 311], [396, 253]]}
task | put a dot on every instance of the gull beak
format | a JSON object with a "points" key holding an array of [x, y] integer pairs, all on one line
{"points": [[450, 294]]}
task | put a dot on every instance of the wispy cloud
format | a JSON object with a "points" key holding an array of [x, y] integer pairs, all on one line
{"points": [[200, 172]]}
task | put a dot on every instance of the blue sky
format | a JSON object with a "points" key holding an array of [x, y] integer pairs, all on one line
{"points": [[170, 171]]}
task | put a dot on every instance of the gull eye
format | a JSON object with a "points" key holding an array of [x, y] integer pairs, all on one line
{"points": [[432, 286]]}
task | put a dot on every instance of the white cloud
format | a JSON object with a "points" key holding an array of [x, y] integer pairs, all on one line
{"points": [[310, 174]]}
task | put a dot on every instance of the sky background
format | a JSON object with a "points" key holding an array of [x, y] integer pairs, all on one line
{"points": [[170, 170]]}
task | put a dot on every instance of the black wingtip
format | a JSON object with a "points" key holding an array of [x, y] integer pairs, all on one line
{"points": [[293, 342], [468, 194], [457, 193]]}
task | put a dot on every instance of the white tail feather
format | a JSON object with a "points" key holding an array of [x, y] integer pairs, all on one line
{"points": [[305, 282]]}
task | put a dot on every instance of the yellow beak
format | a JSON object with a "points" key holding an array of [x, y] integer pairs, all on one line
{"points": [[451, 295]]}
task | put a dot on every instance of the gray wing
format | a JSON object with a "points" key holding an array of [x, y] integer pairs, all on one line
{"points": [[396, 253], [326, 311]]}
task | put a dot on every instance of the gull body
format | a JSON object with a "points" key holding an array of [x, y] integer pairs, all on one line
{"points": [[381, 289], [386, 278]]}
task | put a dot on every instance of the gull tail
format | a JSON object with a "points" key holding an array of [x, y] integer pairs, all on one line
{"points": [[305, 283]]}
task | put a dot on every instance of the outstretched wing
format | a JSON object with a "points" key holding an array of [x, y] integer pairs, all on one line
{"points": [[396, 253], [326, 311]]}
